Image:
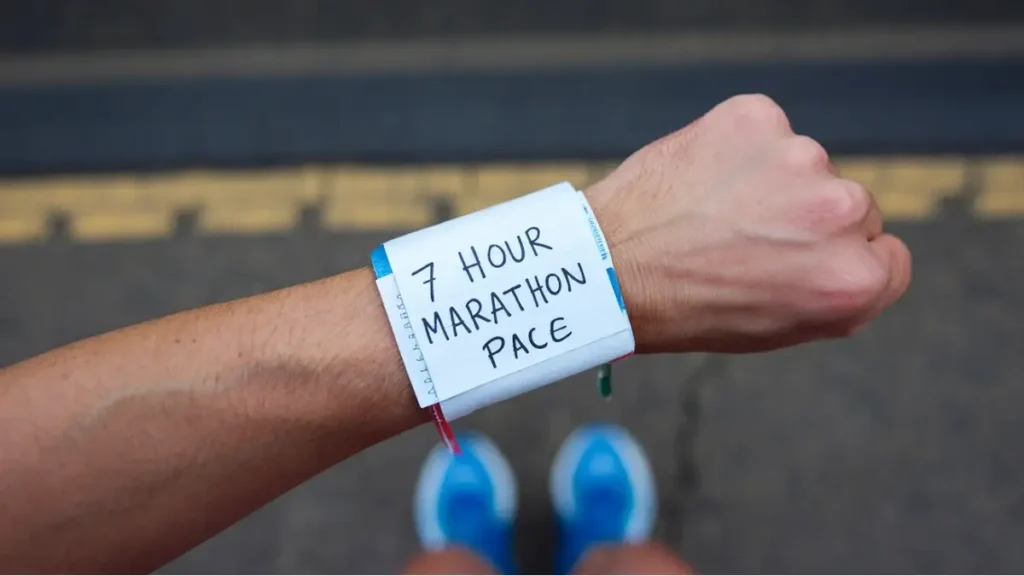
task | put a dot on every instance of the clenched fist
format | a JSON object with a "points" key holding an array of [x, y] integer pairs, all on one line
{"points": [[736, 235]]}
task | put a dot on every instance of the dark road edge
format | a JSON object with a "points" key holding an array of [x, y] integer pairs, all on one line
{"points": [[943, 106]]}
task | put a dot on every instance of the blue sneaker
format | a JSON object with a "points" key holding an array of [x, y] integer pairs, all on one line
{"points": [[603, 491], [468, 500]]}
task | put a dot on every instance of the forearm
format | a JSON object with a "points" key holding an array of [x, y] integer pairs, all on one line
{"points": [[124, 450], [117, 453]]}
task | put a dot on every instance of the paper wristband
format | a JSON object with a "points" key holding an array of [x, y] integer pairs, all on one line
{"points": [[502, 301]]}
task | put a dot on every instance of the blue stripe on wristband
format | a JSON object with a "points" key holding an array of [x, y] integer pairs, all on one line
{"points": [[380, 262], [615, 286]]}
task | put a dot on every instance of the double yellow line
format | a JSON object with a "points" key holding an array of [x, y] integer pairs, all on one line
{"points": [[119, 207]]}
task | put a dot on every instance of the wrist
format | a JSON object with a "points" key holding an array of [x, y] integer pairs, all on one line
{"points": [[614, 221]]}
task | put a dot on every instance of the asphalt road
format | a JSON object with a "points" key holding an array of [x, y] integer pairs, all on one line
{"points": [[894, 451]]}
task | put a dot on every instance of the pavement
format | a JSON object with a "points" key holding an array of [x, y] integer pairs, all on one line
{"points": [[146, 168], [894, 451]]}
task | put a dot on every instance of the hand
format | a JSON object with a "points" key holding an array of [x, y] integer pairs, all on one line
{"points": [[735, 235]]}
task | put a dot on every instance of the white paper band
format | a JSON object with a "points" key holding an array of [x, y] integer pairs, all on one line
{"points": [[502, 301]]}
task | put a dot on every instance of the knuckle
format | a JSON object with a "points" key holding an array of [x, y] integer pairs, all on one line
{"points": [[864, 286], [846, 202], [756, 110], [762, 110], [804, 152], [857, 201], [857, 287]]}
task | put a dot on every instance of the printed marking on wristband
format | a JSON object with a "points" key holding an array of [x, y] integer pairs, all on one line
{"points": [[602, 248], [408, 347], [401, 324], [604, 372]]}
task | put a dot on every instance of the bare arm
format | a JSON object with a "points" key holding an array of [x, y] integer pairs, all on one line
{"points": [[124, 450], [120, 452]]}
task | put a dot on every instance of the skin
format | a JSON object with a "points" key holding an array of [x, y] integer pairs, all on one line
{"points": [[122, 451], [647, 558]]}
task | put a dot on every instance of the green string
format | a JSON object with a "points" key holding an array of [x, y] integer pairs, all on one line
{"points": [[604, 381]]}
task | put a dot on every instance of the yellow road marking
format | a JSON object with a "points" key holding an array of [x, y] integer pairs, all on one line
{"points": [[942, 176], [1002, 193], [22, 227], [359, 198], [352, 197], [908, 188], [248, 202], [900, 206], [1002, 204], [120, 226]]}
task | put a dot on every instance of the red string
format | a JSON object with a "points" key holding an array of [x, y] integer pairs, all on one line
{"points": [[444, 429]]}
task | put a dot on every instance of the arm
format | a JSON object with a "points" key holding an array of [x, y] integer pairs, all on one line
{"points": [[124, 450], [119, 452]]}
